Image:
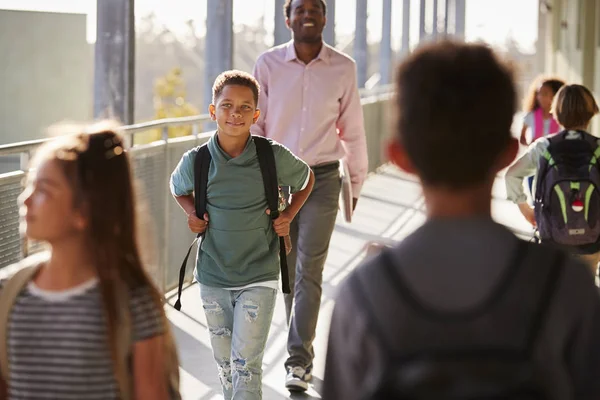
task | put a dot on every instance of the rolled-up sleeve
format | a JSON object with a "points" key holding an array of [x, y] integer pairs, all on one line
{"points": [[182, 178], [291, 170], [351, 127], [524, 167]]}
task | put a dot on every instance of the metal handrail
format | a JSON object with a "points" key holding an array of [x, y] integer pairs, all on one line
{"points": [[20, 147], [367, 95], [128, 130], [165, 122], [164, 144]]}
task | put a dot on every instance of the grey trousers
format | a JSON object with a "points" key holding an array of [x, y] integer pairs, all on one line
{"points": [[310, 233]]}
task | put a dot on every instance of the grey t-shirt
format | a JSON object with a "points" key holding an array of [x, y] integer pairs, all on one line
{"points": [[57, 342], [454, 264]]}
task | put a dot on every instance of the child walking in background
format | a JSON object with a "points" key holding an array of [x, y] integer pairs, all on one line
{"points": [[567, 195], [538, 120], [84, 321]]}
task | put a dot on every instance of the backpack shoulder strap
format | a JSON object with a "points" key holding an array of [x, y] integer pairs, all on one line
{"points": [[545, 299], [403, 293], [268, 169], [8, 296], [591, 139], [201, 169]]}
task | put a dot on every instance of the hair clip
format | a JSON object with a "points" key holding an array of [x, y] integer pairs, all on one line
{"points": [[114, 152]]}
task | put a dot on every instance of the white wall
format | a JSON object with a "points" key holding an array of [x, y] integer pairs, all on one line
{"points": [[46, 72], [573, 44]]}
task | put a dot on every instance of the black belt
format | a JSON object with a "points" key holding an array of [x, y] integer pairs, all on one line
{"points": [[321, 168]]}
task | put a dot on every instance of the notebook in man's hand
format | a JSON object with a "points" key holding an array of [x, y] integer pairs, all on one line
{"points": [[346, 200]]}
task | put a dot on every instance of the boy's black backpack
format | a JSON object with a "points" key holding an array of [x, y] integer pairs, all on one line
{"points": [[567, 196], [266, 160], [485, 352]]}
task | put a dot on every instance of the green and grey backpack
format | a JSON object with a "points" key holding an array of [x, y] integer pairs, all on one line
{"points": [[567, 196]]}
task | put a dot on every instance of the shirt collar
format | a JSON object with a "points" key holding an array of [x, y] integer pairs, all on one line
{"points": [[221, 157], [290, 52]]}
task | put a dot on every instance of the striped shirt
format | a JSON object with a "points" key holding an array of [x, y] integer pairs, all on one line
{"points": [[57, 342]]}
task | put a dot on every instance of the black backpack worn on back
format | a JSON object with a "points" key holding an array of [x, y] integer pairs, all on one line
{"points": [[567, 195], [266, 160], [485, 352]]}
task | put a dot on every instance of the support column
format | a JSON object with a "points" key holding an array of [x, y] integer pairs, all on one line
{"points": [[459, 18], [434, 24], [422, 15], [405, 49], [361, 49], [588, 41], [329, 31], [540, 54], [446, 16], [385, 56], [219, 43], [281, 33], [114, 65]]}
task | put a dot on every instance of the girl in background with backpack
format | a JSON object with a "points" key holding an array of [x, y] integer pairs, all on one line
{"points": [[538, 120], [85, 321], [569, 198], [536, 105]]}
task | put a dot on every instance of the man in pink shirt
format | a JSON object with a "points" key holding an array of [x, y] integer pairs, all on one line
{"points": [[309, 102]]}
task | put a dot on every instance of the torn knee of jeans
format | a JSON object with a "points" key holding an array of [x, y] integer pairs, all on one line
{"points": [[250, 311], [212, 307], [219, 332], [240, 367], [225, 374]]}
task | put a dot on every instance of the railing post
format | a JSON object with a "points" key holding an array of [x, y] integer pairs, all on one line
{"points": [[281, 33], [195, 132], [25, 158], [385, 53], [167, 225], [128, 140], [361, 48]]}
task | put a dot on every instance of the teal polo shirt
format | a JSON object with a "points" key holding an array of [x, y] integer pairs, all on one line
{"points": [[240, 246]]}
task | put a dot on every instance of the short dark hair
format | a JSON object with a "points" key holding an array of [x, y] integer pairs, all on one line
{"points": [[287, 8], [574, 106], [456, 104], [235, 77]]}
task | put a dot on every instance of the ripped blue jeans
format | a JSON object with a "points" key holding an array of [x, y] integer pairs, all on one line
{"points": [[239, 322]]}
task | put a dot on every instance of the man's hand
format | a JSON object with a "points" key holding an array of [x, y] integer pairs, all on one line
{"points": [[196, 224], [528, 213], [281, 225]]}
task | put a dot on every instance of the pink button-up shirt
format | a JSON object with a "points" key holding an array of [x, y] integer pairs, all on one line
{"points": [[313, 109]]}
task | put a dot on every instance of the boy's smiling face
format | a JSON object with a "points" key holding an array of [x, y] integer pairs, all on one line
{"points": [[235, 110]]}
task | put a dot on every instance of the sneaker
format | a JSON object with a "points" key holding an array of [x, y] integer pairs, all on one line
{"points": [[296, 379], [308, 374]]}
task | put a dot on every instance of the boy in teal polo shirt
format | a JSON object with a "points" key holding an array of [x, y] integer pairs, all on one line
{"points": [[238, 261]]}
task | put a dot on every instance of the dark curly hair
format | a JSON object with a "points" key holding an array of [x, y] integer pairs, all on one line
{"points": [[530, 103], [235, 77]]}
